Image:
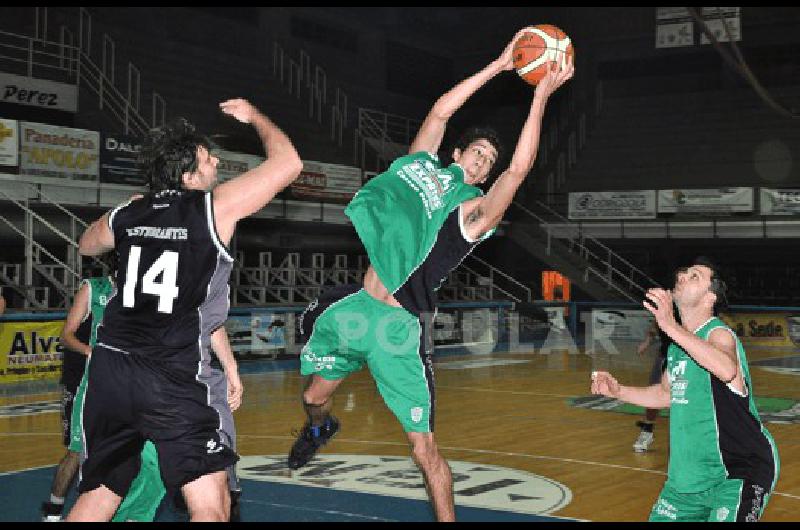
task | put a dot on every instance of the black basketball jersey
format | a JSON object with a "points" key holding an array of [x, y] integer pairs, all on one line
{"points": [[418, 294], [74, 363], [172, 283]]}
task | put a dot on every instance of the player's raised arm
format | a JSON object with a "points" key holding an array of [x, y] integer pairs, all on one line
{"points": [[248, 193], [483, 214], [430, 135]]}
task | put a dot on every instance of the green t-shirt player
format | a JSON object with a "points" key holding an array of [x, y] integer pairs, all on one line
{"points": [[417, 221], [723, 463]]}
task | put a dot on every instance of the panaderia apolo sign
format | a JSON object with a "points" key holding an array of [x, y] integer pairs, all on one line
{"points": [[58, 152]]}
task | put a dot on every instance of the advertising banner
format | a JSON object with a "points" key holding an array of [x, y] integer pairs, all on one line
{"points": [[621, 324], [259, 334], [613, 205], [118, 160], [30, 350], [710, 201], [38, 93], [232, 164], [328, 182], [765, 329], [58, 152], [674, 27], [9, 143], [780, 202], [717, 18]]}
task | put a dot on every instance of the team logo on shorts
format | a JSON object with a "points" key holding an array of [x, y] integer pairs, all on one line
{"points": [[722, 514], [416, 414], [213, 447]]}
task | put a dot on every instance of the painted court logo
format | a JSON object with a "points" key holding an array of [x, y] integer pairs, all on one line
{"points": [[474, 485]]}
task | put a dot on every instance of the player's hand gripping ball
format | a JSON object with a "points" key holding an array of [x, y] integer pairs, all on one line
{"points": [[536, 50]]}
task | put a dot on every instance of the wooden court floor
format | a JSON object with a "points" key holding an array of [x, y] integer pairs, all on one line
{"points": [[508, 410]]}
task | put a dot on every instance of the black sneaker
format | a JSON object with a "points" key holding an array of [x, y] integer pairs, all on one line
{"points": [[52, 513], [309, 441]]}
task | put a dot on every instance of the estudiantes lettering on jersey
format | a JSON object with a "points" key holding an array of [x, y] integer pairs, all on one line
{"points": [[172, 284]]}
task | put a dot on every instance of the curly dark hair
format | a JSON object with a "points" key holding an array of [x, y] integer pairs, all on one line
{"points": [[168, 152], [474, 134]]}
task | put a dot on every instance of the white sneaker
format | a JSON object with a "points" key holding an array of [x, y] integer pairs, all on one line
{"points": [[51, 518], [643, 442]]}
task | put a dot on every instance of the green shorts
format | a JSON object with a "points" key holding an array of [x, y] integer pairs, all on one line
{"points": [[76, 419], [146, 492], [346, 329], [733, 500]]}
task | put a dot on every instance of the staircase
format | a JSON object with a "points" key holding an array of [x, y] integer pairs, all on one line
{"points": [[381, 138], [68, 58], [51, 273], [595, 268]]}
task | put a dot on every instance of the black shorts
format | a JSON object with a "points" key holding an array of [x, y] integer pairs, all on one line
{"points": [[130, 399], [67, 400]]}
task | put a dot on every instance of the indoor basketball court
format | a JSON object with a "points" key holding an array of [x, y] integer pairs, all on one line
{"points": [[676, 138]]}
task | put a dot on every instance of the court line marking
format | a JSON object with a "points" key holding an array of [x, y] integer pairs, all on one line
{"points": [[330, 512], [5, 473], [466, 450], [482, 451], [493, 391], [499, 453]]}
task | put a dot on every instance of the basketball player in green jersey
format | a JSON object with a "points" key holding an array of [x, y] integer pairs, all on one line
{"points": [[723, 463], [417, 221], [147, 490], [89, 305]]}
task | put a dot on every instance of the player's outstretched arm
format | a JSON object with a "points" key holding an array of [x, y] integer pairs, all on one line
{"points": [[248, 193], [483, 214], [430, 135], [651, 397]]}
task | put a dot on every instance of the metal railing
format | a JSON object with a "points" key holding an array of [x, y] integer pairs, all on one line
{"points": [[494, 277], [302, 78], [600, 261], [72, 263], [389, 136], [68, 62]]}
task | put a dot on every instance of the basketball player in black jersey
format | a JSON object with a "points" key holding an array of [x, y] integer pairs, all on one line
{"points": [[153, 349]]}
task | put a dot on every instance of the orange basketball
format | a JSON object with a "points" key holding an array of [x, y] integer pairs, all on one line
{"points": [[537, 49]]}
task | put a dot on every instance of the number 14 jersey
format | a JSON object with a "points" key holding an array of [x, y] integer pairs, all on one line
{"points": [[172, 284]]}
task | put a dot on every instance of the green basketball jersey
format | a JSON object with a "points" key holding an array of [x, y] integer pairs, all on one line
{"points": [[398, 214], [100, 290], [715, 432]]}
